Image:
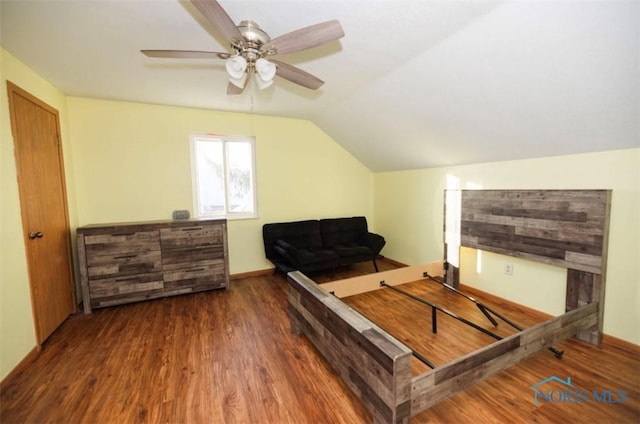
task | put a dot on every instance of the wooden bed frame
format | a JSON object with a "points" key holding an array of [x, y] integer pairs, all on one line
{"points": [[377, 367]]}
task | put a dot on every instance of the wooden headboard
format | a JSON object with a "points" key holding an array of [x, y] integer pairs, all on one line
{"points": [[567, 228]]}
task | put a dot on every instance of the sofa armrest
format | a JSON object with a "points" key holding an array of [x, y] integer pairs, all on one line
{"points": [[375, 242], [283, 255], [288, 251]]}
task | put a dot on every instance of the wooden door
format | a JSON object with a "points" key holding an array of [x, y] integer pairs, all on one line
{"points": [[43, 203]]}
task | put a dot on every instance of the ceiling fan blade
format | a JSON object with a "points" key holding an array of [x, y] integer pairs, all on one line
{"points": [[297, 75], [233, 89], [305, 38], [217, 16], [185, 54]]}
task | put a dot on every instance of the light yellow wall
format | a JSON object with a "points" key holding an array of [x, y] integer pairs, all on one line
{"points": [[132, 162], [408, 209], [17, 334]]}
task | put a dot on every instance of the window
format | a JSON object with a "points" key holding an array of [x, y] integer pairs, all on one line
{"points": [[223, 176]]}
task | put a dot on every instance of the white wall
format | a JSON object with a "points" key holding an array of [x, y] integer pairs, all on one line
{"points": [[409, 213]]}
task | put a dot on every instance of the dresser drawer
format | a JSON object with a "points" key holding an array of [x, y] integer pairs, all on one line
{"points": [[191, 236], [114, 243], [107, 291], [207, 275], [175, 259], [123, 263]]}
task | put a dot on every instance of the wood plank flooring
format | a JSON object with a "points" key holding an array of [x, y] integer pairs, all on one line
{"points": [[229, 357]]}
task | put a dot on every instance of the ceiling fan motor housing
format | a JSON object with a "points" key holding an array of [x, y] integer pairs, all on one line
{"points": [[254, 39], [251, 31]]}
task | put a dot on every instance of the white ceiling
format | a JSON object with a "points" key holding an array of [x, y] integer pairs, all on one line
{"points": [[413, 84]]}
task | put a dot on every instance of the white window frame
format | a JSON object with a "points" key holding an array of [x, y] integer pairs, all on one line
{"points": [[225, 139]]}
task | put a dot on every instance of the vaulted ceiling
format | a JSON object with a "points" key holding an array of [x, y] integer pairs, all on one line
{"points": [[413, 84]]}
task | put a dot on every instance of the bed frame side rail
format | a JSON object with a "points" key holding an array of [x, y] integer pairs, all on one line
{"points": [[434, 386], [375, 366]]}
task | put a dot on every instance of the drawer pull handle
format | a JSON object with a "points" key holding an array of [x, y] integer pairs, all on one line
{"points": [[124, 234], [125, 257], [192, 229]]}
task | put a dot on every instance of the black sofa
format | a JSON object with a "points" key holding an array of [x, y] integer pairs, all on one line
{"points": [[315, 245]]}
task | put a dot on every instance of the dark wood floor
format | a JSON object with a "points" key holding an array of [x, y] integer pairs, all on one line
{"points": [[229, 357]]}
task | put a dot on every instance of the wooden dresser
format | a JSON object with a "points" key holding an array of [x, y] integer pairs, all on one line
{"points": [[130, 262]]}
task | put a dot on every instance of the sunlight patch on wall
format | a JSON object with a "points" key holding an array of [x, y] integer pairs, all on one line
{"points": [[453, 207], [476, 186], [453, 201]]}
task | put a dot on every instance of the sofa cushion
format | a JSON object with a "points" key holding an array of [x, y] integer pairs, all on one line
{"points": [[284, 244], [352, 250], [304, 256], [310, 257], [343, 231], [300, 234]]}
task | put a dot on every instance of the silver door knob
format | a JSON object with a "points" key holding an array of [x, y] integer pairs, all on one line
{"points": [[35, 235]]}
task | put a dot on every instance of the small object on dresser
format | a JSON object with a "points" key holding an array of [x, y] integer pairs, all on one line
{"points": [[181, 214]]}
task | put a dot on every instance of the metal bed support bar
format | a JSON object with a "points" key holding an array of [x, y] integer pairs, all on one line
{"points": [[447, 312], [487, 311]]}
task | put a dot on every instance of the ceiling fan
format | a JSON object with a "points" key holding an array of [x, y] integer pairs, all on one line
{"points": [[250, 46]]}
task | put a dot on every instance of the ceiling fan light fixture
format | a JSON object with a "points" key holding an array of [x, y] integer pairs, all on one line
{"points": [[266, 71], [238, 82], [236, 66], [263, 84]]}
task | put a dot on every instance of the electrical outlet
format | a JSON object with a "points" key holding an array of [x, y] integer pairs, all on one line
{"points": [[508, 269]]}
